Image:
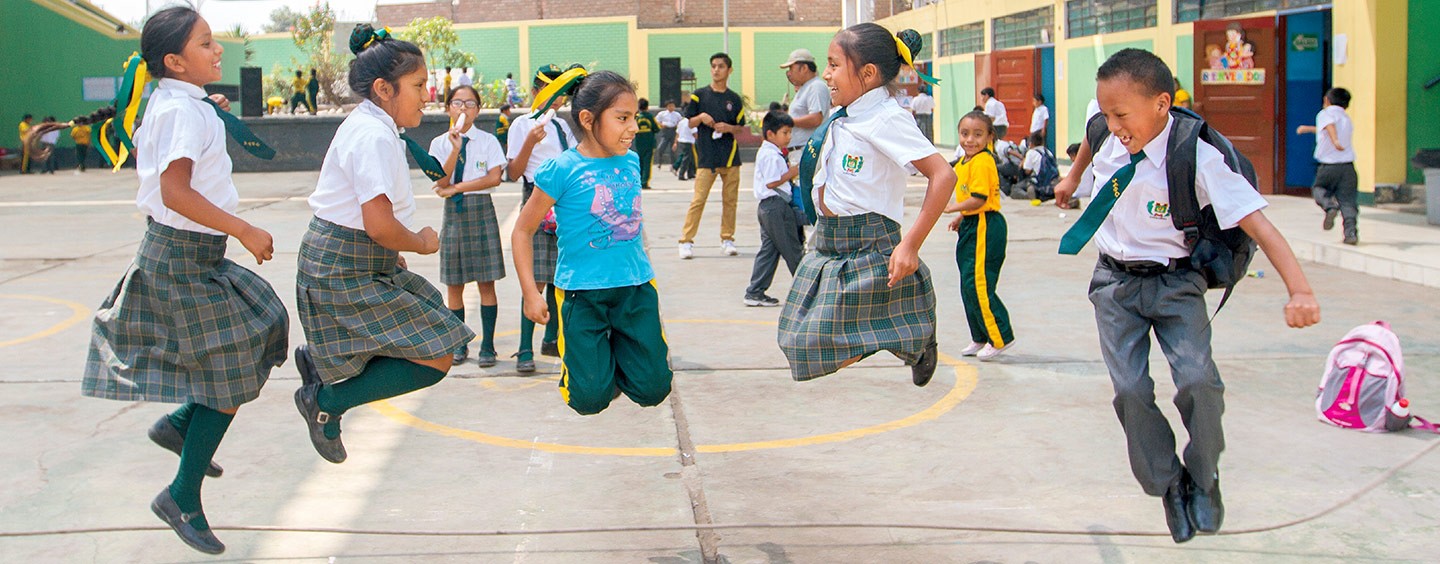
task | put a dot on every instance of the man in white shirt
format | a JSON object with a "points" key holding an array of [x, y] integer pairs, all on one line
{"points": [[1039, 117], [668, 118], [996, 110], [1336, 184], [923, 106], [466, 78], [812, 96]]}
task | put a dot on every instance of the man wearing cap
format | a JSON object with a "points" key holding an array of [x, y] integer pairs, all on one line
{"points": [[812, 96]]}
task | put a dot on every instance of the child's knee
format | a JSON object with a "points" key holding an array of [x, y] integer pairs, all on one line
{"points": [[650, 395], [589, 403]]}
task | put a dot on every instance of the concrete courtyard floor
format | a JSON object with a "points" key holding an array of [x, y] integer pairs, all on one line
{"points": [[1028, 442]]}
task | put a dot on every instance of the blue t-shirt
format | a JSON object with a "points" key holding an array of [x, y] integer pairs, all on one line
{"points": [[598, 220]]}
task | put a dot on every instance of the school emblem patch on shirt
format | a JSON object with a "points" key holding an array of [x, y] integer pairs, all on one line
{"points": [[852, 164], [1158, 210]]}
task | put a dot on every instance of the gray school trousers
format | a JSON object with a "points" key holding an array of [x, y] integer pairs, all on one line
{"points": [[1127, 308], [1337, 188], [781, 236]]}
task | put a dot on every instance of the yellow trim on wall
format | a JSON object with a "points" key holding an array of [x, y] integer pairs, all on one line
{"points": [[747, 64]]}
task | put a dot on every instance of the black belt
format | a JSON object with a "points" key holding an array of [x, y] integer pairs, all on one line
{"points": [[1144, 267]]}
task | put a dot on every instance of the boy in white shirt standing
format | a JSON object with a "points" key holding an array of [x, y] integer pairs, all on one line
{"points": [[1336, 184], [781, 235], [1039, 117]]}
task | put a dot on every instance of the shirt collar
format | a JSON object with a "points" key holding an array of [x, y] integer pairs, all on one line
{"points": [[868, 101], [369, 108], [182, 87], [1156, 149], [772, 147]]}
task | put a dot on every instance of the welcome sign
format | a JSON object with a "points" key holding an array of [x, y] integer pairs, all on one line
{"points": [[1253, 77]]}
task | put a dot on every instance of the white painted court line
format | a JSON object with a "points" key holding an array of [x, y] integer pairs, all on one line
{"points": [[270, 200]]}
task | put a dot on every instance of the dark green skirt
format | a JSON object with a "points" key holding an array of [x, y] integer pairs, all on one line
{"points": [[470, 248], [356, 303], [839, 306], [184, 325]]}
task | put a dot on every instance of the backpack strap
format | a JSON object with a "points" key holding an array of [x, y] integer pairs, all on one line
{"points": [[1417, 422], [1180, 174], [1096, 132]]}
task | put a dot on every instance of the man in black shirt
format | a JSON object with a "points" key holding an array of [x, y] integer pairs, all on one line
{"points": [[718, 113]]}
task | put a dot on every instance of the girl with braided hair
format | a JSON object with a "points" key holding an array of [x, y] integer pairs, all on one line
{"points": [[374, 330]]}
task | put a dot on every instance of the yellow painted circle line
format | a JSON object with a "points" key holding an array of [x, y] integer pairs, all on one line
{"points": [[966, 379], [78, 313]]}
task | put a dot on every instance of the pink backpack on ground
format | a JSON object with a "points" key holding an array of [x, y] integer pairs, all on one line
{"points": [[1362, 383]]}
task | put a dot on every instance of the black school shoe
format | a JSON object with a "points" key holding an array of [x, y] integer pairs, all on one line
{"points": [[486, 359], [924, 369], [165, 508], [169, 438], [309, 376], [1177, 513], [330, 449], [460, 354], [550, 348], [1206, 510]]}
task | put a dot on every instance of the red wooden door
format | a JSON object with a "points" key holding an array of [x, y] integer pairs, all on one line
{"points": [[1236, 71], [1015, 75]]}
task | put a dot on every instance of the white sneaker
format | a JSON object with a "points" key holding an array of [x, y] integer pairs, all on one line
{"points": [[687, 250], [972, 349], [729, 248], [990, 352]]}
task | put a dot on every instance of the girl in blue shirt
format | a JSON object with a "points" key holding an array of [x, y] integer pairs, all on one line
{"points": [[602, 274]]}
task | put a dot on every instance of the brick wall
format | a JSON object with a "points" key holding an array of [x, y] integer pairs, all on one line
{"points": [[648, 13]]}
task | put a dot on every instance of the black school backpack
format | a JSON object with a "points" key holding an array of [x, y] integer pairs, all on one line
{"points": [[1222, 255], [1049, 172]]}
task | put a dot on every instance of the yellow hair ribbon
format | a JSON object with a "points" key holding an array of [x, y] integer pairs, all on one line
{"points": [[556, 89], [127, 108], [381, 35], [110, 153], [909, 58]]}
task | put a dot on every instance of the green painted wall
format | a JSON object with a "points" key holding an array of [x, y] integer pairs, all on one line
{"points": [[604, 46], [272, 51], [954, 96], [1185, 67], [1423, 111], [1081, 64], [772, 49], [694, 50], [497, 51], [44, 76]]}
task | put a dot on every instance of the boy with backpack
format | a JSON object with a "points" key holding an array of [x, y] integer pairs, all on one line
{"points": [[1152, 276], [1041, 172]]}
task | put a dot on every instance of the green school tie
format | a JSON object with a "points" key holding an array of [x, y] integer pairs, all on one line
{"points": [[1080, 233], [564, 143], [242, 133], [459, 199], [427, 163], [808, 160]]}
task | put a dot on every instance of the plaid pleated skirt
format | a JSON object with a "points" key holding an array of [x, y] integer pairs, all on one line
{"points": [[356, 303], [185, 324], [839, 306], [546, 246], [470, 242]]}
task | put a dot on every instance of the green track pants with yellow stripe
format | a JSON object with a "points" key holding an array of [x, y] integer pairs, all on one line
{"points": [[980, 254], [611, 342]]}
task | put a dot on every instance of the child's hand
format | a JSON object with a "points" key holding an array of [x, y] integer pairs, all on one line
{"points": [[1063, 191], [1302, 311], [445, 191], [400, 261], [537, 311], [903, 262], [429, 240], [955, 224], [454, 136], [221, 100], [535, 136], [258, 242]]}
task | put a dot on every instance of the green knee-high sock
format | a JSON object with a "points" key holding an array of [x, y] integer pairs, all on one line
{"points": [[460, 314], [527, 335], [552, 329], [488, 315], [383, 378], [180, 418], [207, 428]]}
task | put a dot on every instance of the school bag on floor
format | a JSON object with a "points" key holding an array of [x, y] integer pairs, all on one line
{"points": [[1222, 255], [1362, 383]]}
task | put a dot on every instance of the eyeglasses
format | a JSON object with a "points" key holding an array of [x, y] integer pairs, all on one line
{"points": [[467, 104]]}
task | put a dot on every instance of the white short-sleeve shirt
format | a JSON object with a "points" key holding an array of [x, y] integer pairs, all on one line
{"points": [[770, 165], [366, 160], [548, 148], [1325, 151], [668, 118], [866, 158], [923, 104], [996, 110], [684, 133], [1139, 226], [179, 124], [812, 97], [1038, 117], [482, 153]]}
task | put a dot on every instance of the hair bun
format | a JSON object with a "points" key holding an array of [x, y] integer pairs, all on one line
{"points": [[361, 37], [912, 40]]}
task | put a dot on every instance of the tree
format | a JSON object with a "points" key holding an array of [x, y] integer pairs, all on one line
{"points": [[282, 19], [313, 34], [238, 32], [437, 38]]}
